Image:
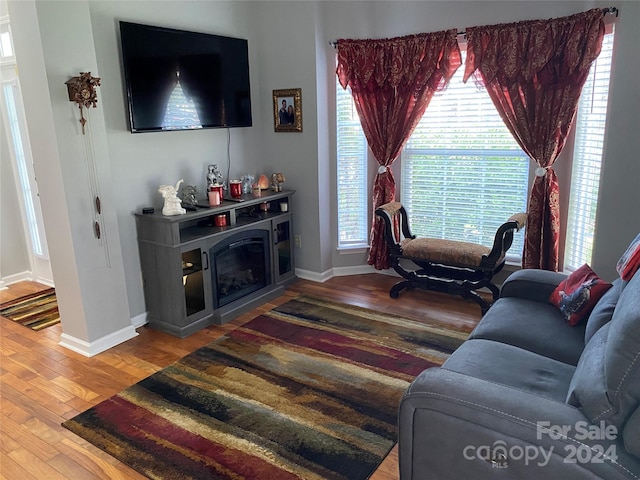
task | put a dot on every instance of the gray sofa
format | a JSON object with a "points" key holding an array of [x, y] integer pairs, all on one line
{"points": [[529, 397]]}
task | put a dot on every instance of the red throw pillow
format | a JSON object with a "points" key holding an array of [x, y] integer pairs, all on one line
{"points": [[630, 260], [578, 293]]}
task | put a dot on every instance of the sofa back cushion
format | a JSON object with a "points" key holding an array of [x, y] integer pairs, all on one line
{"points": [[603, 311], [606, 383], [588, 387]]}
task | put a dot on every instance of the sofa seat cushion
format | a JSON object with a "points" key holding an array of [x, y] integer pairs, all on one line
{"points": [[513, 367], [534, 326]]}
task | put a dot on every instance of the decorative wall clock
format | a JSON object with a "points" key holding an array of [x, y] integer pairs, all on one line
{"points": [[82, 90]]}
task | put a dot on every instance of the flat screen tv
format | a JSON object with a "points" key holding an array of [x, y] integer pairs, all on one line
{"points": [[179, 80]]}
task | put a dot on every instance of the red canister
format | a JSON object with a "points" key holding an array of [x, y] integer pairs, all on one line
{"points": [[219, 189], [220, 220], [235, 188]]}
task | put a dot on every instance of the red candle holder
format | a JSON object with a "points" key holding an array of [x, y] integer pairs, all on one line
{"points": [[235, 188]]}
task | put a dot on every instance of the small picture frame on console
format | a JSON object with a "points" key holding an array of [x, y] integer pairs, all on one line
{"points": [[287, 110]]}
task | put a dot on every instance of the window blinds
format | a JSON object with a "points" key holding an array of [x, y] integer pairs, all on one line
{"points": [[587, 160], [463, 174]]}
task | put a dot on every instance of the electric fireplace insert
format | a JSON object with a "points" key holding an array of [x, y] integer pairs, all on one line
{"points": [[241, 266]]}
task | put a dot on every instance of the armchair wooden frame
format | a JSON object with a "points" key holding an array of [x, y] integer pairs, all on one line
{"points": [[454, 267]]}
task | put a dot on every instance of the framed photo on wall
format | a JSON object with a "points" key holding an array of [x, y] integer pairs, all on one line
{"points": [[287, 110]]}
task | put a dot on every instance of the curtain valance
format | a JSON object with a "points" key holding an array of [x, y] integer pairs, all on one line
{"points": [[560, 49], [403, 63]]}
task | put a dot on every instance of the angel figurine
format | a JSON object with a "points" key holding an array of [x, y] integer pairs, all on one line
{"points": [[172, 204]]}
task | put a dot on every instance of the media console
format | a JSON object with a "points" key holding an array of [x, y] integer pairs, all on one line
{"points": [[196, 273]]}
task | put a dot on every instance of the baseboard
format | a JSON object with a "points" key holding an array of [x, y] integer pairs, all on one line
{"points": [[89, 349], [314, 276], [25, 276], [355, 270], [139, 320], [340, 272], [44, 281]]}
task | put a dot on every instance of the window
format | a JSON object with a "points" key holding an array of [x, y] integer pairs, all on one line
{"points": [[461, 161], [587, 159], [463, 174], [353, 225], [6, 43]]}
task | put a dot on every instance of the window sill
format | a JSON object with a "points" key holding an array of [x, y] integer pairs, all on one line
{"points": [[351, 250], [513, 261]]}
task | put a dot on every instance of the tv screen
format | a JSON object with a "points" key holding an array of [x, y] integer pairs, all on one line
{"points": [[179, 80]]}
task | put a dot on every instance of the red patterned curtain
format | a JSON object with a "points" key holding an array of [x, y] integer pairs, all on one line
{"points": [[534, 72], [392, 81]]}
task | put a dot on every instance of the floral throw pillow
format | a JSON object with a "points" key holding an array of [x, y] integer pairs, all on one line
{"points": [[630, 260], [576, 295]]}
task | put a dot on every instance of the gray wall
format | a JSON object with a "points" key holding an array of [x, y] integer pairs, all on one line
{"points": [[287, 59], [288, 46], [618, 217], [140, 163]]}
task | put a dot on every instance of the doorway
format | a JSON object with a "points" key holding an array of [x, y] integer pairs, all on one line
{"points": [[15, 132]]}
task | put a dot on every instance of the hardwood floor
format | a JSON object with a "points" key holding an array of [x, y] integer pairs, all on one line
{"points": [[42, 384]]}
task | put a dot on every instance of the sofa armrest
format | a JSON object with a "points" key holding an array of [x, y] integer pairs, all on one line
{"points": [[531, 284], [455, 426]]}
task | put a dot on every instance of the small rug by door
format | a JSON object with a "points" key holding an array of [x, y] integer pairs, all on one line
{"points": [[307, 391], [36, 311]]}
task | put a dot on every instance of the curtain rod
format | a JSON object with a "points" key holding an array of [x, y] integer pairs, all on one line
{"points": [[612, 10]]}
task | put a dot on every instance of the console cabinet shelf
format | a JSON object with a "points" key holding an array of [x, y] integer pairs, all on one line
{"points": [[178, 260]]}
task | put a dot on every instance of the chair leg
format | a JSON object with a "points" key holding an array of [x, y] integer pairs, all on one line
{"points": [[440, 278], [471, 295], [495, 291], [398, 287]]}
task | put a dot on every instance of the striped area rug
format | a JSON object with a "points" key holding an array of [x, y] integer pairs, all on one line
{"points": [[36, 311], [307, 391]]}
